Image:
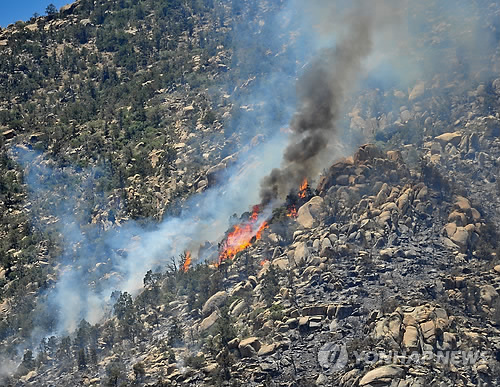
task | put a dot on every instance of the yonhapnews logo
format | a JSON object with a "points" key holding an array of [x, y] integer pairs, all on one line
{"points": [[333, 356]]}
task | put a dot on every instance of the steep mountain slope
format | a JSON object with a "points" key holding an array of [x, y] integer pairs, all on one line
{"points": [[375, 275], [128, 103]]}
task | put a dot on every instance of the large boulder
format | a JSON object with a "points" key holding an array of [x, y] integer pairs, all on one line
{"points": [[450, 229], [461, 237], [214, 302], [211, 369], [239, 308], [301, 253], [406, 116], [68, 8], [457, 217], [337, 169], [448, 342], [249, 347], [282, 263], [304, 217], [308, 213], [208, 322], [410, 338], [214, 173], [382, 195], [394, 325], [267, 350], [314, 310], [343, 311], [403, 203], [367, 152], [488, 294], [429, 332], [449, 138], [382, 375], [462, 203], [417, 91], [496, 86]]}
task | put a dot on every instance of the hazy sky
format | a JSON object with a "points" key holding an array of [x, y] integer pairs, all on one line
{"points": [[14, 10]]}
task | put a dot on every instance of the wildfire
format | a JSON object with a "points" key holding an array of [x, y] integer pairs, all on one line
{"points": [[292, 212], [303, 189], [242, 236], [187, 262], [262, 263], [262, 227]]}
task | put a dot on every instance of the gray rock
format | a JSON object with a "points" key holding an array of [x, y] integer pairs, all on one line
{"points": [[406, 116], [488, 294], [301, 253], [333, 238], [208, 322], [214, 302], [316, 245], [381, 375], [267, 350], [326, 243], [315, 310], [417, 91], [239, 308], [452, 138], [307, 214], [249, 347], [461, 238], [344, 311], [411, 338], [321, 380], [496, 86]]}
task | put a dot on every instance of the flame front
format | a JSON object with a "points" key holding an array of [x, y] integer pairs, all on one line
{"points": [[292, 212], [242, 235], [187, 262], [262, 227], [303, 189]]}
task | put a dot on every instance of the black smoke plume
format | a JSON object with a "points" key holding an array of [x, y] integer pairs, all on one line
{"points": [[321, 92]]}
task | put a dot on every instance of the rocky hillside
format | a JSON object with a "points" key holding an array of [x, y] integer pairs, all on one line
{"points": [[385, 258], [130, 106], [384, 272]]}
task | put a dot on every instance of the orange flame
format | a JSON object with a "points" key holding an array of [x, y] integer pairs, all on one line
{"points": [[187, 262], [262, 263], [242, 236], [303, 189], [262, 227], [292, 212]]}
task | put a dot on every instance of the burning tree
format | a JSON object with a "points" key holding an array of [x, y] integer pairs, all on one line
{"points": [[185, 261], [243, 235]]}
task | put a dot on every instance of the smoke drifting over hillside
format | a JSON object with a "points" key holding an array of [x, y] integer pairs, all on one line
{"points": [[323, 87], [384, 43], [96, 263]]}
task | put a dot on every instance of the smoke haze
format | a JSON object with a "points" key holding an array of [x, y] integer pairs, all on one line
{"points": [[331, 47], [323, 87]]}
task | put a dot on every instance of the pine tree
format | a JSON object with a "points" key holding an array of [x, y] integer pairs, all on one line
{"points": [[82, 361], [175, 334], [51, 10], [139, 370]]}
